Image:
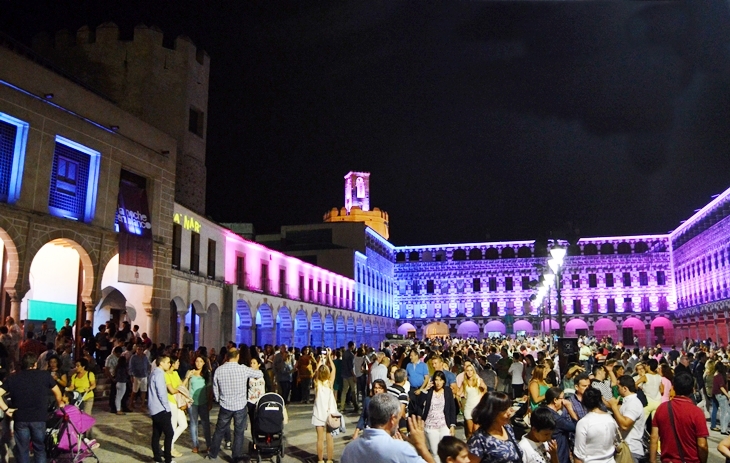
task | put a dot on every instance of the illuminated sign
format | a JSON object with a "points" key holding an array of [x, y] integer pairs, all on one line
{"points": [[188, 223]]}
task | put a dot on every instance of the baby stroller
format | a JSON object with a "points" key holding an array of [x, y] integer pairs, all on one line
{"points": [[268, 427], [64, 435]]}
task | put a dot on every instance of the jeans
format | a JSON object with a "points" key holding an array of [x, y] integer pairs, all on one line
{"points": [[121, 389], [713, 412], [348, 384], [239, 426], [285, 389], [724, 412], [25, 433], [204, 414], [162, 424]]}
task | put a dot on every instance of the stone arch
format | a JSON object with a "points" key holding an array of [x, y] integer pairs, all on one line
{"points": [[605, 327], [192, 320], [350, 324], [244, 323], [329, 331], [13, 259], [406, 328], [340, 332], [359, 332], [317, 330], [494, 328], [284, 326], [631, 327], [662, 331], [607, 249], [572, 327], [301, 329], [212, 326], [468, 329], [522, 325], [524, 252], [264, 325]]}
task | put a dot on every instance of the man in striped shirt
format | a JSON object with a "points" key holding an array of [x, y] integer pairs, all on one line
{"points": [[398, 390], [229, 388]]}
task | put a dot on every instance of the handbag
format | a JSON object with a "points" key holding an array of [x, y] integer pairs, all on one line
{"points": [[623, 453], [182, 398], [334, 420]]}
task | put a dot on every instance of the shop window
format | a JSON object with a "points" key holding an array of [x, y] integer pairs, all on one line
{"points": [[13, 139]]}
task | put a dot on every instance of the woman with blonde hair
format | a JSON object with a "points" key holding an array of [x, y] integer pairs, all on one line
{"points": [[538, 386], [324, 405], [472, 390]]}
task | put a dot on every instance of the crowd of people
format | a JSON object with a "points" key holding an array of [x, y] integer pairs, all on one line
{"points": [[510, 396]]}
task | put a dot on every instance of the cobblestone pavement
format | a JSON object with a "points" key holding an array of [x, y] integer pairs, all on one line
{"points": [[126, 438]]}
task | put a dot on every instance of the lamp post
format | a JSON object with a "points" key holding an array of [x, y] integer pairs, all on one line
{"points": [[556, 265]]}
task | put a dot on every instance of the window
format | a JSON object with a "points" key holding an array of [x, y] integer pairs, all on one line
{"points": [[628, 304], [592, 280], [643, 279], [576, 305], [240, 272], [575, 281], [311, 289], [282, 282], [176, 245], [74, 178], [661, 278], [194, 253], [594, 306], [609, 280], [627, 279], [301, 287], [508, 284], [493, 309], [13, 138], [211, 259], [196, 122], [265, 277], [429, 286], [525, 283], [645, 304], [492, 284], [611, 305], [476, 285]]}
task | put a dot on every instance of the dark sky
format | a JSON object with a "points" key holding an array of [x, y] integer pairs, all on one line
{"points": [[500, 120]]}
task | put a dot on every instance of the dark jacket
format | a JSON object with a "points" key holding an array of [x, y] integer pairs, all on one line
{"points": [[564, 435], [449, 405]]}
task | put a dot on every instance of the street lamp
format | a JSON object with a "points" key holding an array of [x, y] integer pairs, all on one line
{"points": [[556, 265]]}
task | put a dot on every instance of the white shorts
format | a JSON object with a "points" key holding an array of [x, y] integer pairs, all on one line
{"points": [[139, 384]]}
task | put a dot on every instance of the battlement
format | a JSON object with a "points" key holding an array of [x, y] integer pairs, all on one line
{"points": [[109, 34], [375, 219]]}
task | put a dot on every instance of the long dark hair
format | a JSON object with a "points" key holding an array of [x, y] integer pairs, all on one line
{"points": [[491, 405], [205, 372]]}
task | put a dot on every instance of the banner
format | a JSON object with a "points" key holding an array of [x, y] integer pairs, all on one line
{"points": [[135, 235]]}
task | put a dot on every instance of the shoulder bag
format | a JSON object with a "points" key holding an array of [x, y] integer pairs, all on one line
{"points": [[623, 453], [674, 430], [334, 418]]}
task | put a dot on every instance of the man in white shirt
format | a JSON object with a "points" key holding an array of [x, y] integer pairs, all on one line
{"points": [[537, 445], [629, 416], [379, 370], [516, 370]]}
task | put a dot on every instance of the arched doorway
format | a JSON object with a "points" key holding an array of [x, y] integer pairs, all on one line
{"points": [[212, 326], [264, 325], [662, 331], [436, 329], [134, 296], [177, 307], [523, 328], [192, 321], [284, 326], [9, 270], [317, 330], [406, 329], [340, 332], [633, 327], [605, 327], [495, 329], [244, 323], [550, 326], [54, 282], [576, 327], [329, 331], [468, 329], [301, 329]]}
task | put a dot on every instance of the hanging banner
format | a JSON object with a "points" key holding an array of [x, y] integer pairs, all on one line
{"points": [[135, 235]]}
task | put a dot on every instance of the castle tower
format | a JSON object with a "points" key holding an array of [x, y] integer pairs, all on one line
{"points": [[165, 87], [357, 205]]}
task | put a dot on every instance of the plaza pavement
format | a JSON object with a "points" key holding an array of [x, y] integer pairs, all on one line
{"points": [[126, 438]]}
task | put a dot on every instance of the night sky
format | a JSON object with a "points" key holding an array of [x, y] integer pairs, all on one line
{"points": [[477, 120]]}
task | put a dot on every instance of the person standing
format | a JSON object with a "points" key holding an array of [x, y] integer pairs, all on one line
{"points": [[629, 416], [230, 391], [198, 382], [564, 427], [417, 371], [160, 410], [139, 369], [29, 414], [187, 340], [503, 375], [179, 420], [283, 367], [349, 383], [595, 433], [305, 370], [577, 410], [681, 426], [324, 405], [516, 372]]}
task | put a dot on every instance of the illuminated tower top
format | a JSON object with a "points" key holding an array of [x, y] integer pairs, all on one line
{"points": [[357, 205], [357, 190]]}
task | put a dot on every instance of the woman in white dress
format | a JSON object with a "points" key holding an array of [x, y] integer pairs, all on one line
{"points": [[595, 433], [651, 388], [324, 405], [472, 390]]}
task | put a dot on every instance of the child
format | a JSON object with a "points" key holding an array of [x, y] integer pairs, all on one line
{"points": [[453, 450], [536, 445]]}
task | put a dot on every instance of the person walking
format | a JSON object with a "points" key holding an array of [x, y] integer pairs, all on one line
{"points": [[305, 370], [230, 391], [283, 367], [439, 411], [721, 395], [629, 416], [139, 369], [179, 420], [349, 382], [198, 381], [29, 414], [121, 376], [160, 410]]}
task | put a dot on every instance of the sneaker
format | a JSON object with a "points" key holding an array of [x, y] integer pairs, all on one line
{"points": [[228, 446], [175, 453]]}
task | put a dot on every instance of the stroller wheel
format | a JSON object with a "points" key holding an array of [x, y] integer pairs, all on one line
{"points": [[278, 459], [258, 458]]}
